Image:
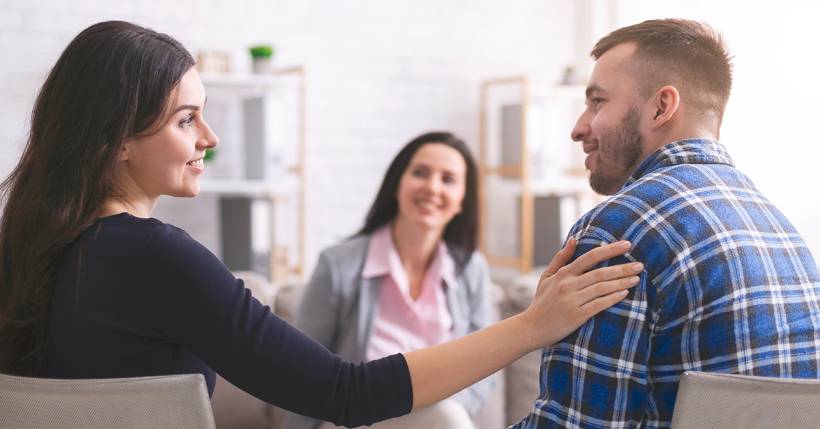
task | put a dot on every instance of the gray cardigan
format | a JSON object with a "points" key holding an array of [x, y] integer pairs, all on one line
{"points": [[338, 307]]}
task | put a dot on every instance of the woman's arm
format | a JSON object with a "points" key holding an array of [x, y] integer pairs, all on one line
{"points": [[196, 303], [567, 296]]}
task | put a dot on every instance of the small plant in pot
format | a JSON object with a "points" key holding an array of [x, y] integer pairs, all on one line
{"points": [[262, 56]]}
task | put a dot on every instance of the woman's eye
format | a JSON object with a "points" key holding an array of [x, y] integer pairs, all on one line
{"points": [[448, 179], [187, 121], [419, 172]]}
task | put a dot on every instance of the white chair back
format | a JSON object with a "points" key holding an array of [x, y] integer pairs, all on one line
{"points": [[173, 401], [714, 400]]}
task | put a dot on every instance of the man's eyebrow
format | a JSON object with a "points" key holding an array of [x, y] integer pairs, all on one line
{"points": [[593, 88]]}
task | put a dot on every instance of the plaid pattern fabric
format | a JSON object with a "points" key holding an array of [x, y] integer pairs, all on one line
{"points": [[730, 287]]}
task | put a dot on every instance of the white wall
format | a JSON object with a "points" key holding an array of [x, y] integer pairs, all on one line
{"points": [[771, 121], [379, 71]]}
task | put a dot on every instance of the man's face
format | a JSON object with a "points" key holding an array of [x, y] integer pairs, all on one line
{"points": [[609, 128]]}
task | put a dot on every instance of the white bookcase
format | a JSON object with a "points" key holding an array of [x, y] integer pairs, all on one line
{"points": [[532, 178], [250, 211]]}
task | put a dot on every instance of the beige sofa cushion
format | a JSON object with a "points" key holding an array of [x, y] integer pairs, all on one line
{"points": [[286, 304], [522, 376]]}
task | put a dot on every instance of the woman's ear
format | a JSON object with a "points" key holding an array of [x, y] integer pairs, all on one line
{"points": [[125, 150], [665, 103]]}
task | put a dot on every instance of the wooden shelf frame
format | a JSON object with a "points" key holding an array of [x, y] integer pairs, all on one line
{"points": [[521, 172], [298, 169]]}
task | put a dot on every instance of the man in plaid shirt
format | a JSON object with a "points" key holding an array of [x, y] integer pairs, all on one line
{"points": [[729, 284]]}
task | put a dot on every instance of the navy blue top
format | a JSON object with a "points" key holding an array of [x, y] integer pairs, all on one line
{"points": [[137, 297]]}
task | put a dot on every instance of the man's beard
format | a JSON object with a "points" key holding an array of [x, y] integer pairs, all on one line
{"points": [[618, 154]]}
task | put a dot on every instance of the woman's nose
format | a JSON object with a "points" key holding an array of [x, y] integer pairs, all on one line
{"points": [[433, 184], [209, 137]]}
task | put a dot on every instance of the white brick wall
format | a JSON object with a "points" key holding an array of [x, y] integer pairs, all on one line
{"points": [[379, 71], [770, 122]]}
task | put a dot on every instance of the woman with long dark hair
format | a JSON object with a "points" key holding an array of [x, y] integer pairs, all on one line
{"points": [[92, 287], [411, 277]]}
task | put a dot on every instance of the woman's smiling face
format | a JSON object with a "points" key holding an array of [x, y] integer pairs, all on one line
{"points": [[169, 161], [432, 187]]}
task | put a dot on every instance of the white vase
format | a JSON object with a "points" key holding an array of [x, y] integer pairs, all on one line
{"points": [[262, 65]]}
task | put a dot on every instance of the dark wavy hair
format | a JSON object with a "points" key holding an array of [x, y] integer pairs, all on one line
{"points": [[112, 82], [460, 234]]}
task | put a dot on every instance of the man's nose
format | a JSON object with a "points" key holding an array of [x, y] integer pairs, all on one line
{"points": [[580, 131]]}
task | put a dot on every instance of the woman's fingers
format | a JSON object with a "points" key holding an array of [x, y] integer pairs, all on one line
{"points": [[568, 295], [609, 273], [598, 290], [600, 304], [595, 256]]}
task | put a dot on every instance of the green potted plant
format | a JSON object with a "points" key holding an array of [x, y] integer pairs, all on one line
{"points": [[210, 153], [262, 58]]}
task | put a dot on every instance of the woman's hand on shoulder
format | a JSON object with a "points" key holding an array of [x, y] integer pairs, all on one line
{"points": [[570, 294]]}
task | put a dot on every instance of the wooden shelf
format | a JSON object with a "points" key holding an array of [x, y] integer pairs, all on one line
{"points": [[561, 186], [240, 81], [521, 122], [248, 188], [246, 81]]}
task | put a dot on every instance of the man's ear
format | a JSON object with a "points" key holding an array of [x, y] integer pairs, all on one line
{"points": [[665, 103]]}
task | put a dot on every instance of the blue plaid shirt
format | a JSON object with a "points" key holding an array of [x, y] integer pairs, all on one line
{"points": [[729, 287]]}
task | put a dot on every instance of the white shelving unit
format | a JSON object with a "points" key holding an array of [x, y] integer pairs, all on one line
{"points": [[250, 211], [533, 183], [247, 188]]}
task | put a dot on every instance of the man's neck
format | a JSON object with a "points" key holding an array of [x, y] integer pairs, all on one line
{"points": [[691, 132]]}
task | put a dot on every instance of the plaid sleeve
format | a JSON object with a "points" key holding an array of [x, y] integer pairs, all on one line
{"points": [[597, 376]]}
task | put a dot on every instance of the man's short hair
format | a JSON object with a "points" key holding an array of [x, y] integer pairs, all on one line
{"points": [[686, 54]]}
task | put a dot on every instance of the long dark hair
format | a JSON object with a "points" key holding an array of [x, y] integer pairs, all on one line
{"points": [[112, 82], [460, 233]]}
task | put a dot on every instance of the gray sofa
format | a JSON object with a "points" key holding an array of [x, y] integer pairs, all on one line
{"points": [[512, 399]]}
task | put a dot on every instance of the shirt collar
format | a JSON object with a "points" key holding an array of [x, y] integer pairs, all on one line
{"points": [[448, 266], [687, 151], [383, 258]]}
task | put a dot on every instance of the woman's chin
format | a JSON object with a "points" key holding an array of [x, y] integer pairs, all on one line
{"points": [[430, 223], [189, 192]]}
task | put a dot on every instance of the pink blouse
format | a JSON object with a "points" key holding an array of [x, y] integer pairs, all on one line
{"points": [[402, 324]]}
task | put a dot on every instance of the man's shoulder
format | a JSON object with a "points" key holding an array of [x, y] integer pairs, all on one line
{"points": [[652, 198], [611, 219]]}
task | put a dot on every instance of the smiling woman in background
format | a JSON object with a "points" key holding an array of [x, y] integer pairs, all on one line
{"points": [[411, 278], [92, 287]]}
